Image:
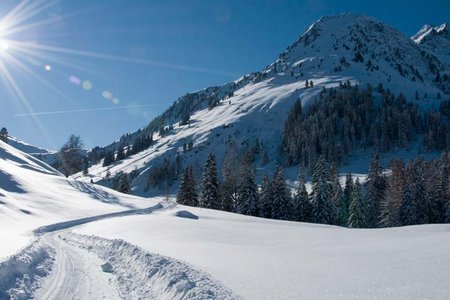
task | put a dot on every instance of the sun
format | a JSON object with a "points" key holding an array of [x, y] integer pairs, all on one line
{"points": [[4, 45]]}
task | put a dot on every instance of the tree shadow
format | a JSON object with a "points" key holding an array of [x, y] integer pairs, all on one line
{"points": [[8, 184], [97, 193]]}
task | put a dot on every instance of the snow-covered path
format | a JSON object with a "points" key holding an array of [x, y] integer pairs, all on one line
{"points": [[76, 274], [60, 264]]}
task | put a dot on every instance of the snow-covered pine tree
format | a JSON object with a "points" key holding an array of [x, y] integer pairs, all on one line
{"points": [[282, 203], [376, 191], [266, 198], [357, 217], [247, 200], [301, 206], [323, 210], [187, 195], [346, 199], [210, 185]]}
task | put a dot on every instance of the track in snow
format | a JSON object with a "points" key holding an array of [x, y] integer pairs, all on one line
{"points": [[76, 274], [70, 267]]}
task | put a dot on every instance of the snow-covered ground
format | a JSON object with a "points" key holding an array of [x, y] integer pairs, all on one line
{"points": [[32, 194], [106, 245], [267, 259]]}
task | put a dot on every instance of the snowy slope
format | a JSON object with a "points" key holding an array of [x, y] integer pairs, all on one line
{"points": [[268, 259], [27, 148], [255, 105], [33, 194]]}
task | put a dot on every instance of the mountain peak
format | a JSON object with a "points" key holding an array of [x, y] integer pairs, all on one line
{"points": [[428, 31]]}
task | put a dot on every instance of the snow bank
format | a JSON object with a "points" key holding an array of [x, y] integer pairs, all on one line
{"points": [[22, 273], [142, 275]]}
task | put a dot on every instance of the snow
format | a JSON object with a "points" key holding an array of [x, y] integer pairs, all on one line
{"points": [[76, 272], [32, 194], [268, 259]]}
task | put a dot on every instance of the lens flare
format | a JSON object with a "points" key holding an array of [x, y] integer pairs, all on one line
{"points": [[87, 85], [75, 80], [47, 68]]}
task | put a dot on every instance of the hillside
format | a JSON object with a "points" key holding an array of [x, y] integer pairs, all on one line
{"points": [[33, 194], [345, 48]]}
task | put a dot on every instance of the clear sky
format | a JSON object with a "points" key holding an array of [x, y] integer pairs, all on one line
{"points": [[101, 68]]}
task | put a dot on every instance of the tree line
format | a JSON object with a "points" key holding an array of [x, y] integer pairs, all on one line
{"points": [[349, 118], [415, 193]]}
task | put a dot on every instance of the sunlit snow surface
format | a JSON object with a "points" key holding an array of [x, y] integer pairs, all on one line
{"points": [[33, 194], [267, 259]]}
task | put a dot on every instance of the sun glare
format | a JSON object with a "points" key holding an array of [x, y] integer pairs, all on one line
{"points": [[4, 45]]}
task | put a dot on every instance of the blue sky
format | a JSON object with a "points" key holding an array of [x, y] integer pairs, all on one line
{"points": [[139, 56]]}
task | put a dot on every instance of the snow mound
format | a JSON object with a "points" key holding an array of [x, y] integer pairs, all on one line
{"points": [[22, 273], [186, 214], [143, 275]]}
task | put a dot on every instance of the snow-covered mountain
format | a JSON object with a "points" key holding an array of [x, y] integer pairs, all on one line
{"points": [[436, 40], [348, 47]]}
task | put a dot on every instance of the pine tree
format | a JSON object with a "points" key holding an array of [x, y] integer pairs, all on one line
{"points": [[187, 194], [423, 206], [85, 166], [376, 189], [120, 153], [301, 206], [447, 213], [346, 199], [438, 192], [390, 207], [282, 203], [229, 185], [266, 198], [357, 217], [210, 185], [4, 135], [124, 185], [247, 200], [321, 197], [109, 158], [408, 207], [337, 193]]}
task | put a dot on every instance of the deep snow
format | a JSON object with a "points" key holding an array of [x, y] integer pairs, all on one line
{"points": [[268, 259]]}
